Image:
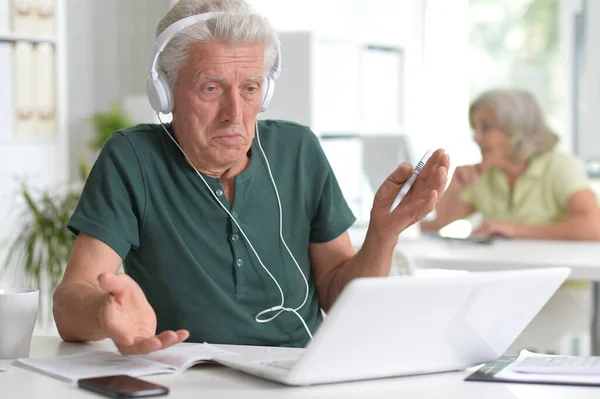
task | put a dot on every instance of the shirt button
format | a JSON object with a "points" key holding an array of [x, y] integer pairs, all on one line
{"points": [[235, 237], [234, 214], [239, 263], [219, 192]]}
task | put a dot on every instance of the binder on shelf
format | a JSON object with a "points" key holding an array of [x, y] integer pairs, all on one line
{"points": [[24, 17], [24, 116], [45, 97], [7, 113], [45, 13]]}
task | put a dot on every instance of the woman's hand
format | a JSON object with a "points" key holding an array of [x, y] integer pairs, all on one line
{"points": [[489, 228], [465, 176]]}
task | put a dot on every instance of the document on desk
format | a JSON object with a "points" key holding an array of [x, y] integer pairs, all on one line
{"points": [[518, 370], [71, 368]]}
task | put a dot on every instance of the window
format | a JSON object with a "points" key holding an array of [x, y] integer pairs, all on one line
{"points": [[516, 43]]}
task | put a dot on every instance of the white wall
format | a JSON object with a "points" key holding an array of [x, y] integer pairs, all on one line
{"points": [[396, 22], [443, 94], [434, 34], [109, 42], [388, 21]]}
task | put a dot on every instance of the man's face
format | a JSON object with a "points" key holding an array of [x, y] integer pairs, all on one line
{"points": [[217, 98]]}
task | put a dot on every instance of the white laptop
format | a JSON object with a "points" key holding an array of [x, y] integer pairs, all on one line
{"points": [[396, 326]]}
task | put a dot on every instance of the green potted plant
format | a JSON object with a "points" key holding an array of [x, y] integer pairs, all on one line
{"points": [[42, 246], [39, 253], [106, 123]]}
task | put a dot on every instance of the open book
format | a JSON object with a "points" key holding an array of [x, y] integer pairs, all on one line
{"points": [[71, 368]]}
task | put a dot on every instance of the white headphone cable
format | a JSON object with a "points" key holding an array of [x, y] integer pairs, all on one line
{"points": [[283, 241], [280, 308]]}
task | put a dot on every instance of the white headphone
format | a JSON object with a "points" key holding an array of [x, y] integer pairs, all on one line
{"points": [[158, 91]]}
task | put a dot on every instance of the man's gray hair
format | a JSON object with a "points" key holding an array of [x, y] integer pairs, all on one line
{"points": [[520, 117], [241, 25]]}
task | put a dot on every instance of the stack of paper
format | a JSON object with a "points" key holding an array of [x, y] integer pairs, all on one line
{"points": [[522, 370], [531, 367]]}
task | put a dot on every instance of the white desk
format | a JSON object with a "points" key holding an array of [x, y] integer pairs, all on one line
{"points": [[211, 381], [582, 257]]}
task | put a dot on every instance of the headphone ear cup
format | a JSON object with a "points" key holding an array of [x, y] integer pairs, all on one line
{"points": [[267, 92], [159, 94]]}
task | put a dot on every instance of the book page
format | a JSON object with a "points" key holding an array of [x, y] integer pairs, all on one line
{"points": [[93, 364], [185, 356]]}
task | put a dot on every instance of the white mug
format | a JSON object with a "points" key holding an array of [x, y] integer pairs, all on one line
{"points": [[18, 312]]}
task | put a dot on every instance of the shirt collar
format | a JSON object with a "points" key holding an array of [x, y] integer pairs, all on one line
{"points": [[538, 165]]}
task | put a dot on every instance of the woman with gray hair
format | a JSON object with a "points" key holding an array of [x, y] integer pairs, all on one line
{"points": [[523, 186]]}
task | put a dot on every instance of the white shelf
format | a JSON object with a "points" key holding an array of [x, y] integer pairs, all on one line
{"points": [[340, 87], [17, 140], [383, 132], [15, 37]]}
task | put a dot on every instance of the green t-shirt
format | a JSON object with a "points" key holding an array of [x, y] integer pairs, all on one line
{"points": [[539, 195], [194, 266]]}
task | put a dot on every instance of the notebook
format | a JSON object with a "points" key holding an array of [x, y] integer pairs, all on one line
{"points": [[519, 370]]}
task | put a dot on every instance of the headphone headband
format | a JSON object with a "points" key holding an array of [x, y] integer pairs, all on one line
{"points": [[171, 31], [177, 27], [160, 94]]}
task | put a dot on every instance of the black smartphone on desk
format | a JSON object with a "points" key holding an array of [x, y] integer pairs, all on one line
{"points": [[122, 386]]}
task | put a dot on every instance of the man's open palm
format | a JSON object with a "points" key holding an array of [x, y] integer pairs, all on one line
{"points": [[129, 320]]}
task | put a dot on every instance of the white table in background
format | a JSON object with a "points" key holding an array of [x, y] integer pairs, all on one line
{"points": [[582, 257], [212, 381]]}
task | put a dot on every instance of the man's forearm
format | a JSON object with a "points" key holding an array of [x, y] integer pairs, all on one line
{"points": [[374, 259], [76, 309], [574, 228]]}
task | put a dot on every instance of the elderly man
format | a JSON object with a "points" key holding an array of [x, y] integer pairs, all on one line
{"points": [[230, 230]]}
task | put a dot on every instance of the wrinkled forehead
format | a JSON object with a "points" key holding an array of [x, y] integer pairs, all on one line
{"points": [[224, 58]]}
